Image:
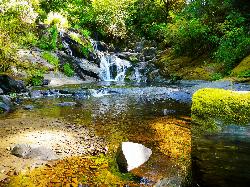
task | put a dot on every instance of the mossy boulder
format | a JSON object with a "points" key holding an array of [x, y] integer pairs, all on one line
{"points": [[243, 66], [188, 68], [241, 73], [212, 106]]}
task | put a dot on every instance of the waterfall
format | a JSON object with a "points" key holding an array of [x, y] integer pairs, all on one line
{"points": [[112, 68], [105, 66]]}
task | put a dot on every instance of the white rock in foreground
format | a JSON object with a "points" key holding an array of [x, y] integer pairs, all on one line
{"points": [[132, 155]]}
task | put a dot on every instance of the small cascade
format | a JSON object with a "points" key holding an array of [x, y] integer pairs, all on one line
{"points": [[137, 75], [112, 68], [106, 67]]}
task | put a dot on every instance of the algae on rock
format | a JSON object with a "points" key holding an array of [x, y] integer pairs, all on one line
{"points": [[212, 107]]}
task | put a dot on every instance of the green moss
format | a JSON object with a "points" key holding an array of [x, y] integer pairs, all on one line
{"points": [[211, 106], [68, 70], [243, 68], [201, 68]]}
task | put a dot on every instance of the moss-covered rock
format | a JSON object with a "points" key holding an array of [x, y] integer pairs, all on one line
{"points": [[241, 73], [201, 68], [243, 66], [212, 106]]}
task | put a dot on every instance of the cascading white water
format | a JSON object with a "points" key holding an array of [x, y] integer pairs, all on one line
{"points": [[112, 68]]}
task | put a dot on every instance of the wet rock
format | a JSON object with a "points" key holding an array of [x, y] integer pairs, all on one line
{"points": [[83, 68], [132, 155], [149, 51], [46, 82], [36, 94], [10, 85], [5, 104], [26, 151], [170, 182], [1, 91], [168, 112], [67, 104]]}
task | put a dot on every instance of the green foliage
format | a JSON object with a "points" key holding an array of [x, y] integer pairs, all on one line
{"points": [[52, 59], [49, 39], [35, 77], [86, 46], [58, 20], [17, 25], [188, 37], [68, 70], [211, 106], [244, 74], [86, 33], [233, 47], [216, 76]]}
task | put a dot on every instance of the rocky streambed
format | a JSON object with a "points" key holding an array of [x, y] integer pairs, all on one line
{"points": [[84, 125]]}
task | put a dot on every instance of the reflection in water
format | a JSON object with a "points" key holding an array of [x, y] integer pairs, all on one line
{"points": [[222, 159]]}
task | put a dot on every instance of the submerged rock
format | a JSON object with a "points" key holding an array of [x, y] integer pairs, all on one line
{"points": [[26, 151], [132, 155], [170, 182], [28, 107], [67, 104]]}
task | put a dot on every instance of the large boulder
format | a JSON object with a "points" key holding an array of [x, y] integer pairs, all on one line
{"points": [[26, 151], [9, 85], [132, 155], [212, 107]]}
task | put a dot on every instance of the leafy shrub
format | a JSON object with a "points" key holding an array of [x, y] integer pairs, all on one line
{"points": [[52, 59], [68, 70], [86, 46], [17, 26], [216, 76], [58, 20], [35, 77], [233, 47], [188, 37], [48, 40]]}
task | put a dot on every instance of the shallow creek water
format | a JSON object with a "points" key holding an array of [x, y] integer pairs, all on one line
{"points": [[160, 123]]}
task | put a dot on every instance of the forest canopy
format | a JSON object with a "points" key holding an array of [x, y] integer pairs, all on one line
{"points": [[218, 28]]}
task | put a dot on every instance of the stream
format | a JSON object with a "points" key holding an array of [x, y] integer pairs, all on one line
{"points": [[157, 116]]}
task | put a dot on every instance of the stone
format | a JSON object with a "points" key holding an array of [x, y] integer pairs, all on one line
{"points": [[10, 85], [28, 107], [5, 104], [36, 94], [66, 104], [26, 151], [21, 150], [132, 155], [168, 112], [42, 153], [1, 91], [169, 182]]}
